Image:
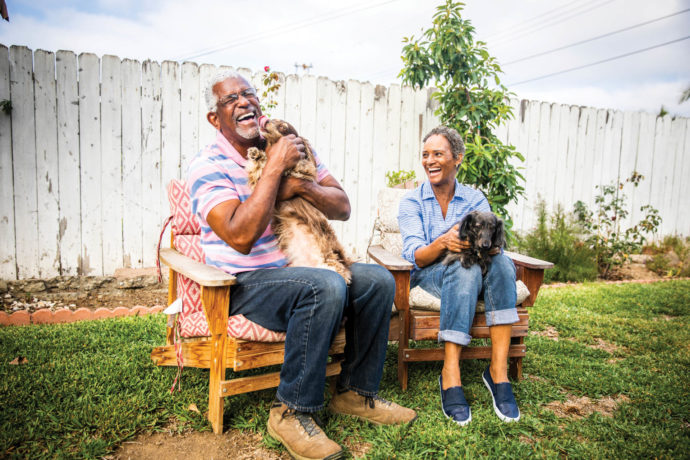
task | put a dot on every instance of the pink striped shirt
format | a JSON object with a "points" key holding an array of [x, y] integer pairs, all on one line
{"points": [[216, 174]]}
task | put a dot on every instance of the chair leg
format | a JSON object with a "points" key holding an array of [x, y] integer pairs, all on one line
{"points": [[217, 374], [403, 343], [216, 301], [515, 370]]}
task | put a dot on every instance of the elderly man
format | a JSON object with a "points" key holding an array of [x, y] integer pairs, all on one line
{"points": [[307, 303]]}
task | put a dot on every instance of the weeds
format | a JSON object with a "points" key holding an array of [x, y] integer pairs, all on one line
{"points": [[558, 239]]}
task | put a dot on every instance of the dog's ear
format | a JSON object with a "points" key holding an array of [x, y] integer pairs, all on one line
{"points": [[466, 226], [499, 239]]}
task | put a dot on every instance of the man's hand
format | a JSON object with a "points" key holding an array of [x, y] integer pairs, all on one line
{"points": [[290, 187], [285, 153], [451, 240]]}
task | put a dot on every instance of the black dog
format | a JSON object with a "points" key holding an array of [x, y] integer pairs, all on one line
{"points": [[484, 232]]}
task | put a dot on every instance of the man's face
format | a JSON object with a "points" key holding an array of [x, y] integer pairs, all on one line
{"points": [[237, 111]]}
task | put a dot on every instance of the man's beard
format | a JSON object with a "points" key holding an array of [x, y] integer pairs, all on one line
{"points": [[248, 133]]}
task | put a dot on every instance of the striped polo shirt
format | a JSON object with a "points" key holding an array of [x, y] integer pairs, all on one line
{"points": [[216, 174], [420, 218]]}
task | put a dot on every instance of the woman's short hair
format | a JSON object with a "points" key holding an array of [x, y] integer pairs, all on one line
{"points": [[457, 146]]}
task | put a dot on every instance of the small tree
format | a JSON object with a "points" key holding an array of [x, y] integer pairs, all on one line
{"points": [[463, 73]]}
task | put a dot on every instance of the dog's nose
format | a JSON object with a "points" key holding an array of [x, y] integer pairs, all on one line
{"points": [[486, 244]]}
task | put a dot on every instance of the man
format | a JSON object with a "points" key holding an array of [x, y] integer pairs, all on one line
{"points": [[307, 303]]}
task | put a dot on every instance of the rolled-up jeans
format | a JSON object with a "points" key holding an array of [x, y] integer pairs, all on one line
{"points": [[459, 289], [309, 304]]}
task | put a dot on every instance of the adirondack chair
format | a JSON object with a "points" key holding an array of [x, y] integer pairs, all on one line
{"points": [[418, 318], [203, 334]]}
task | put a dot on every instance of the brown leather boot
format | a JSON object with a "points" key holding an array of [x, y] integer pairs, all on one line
{"points": [[371, 408], [300, 434]]}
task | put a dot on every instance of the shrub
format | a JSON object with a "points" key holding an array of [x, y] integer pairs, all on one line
{"points": [[394, 178], [671, 257], [557, 238], [612, 245]]}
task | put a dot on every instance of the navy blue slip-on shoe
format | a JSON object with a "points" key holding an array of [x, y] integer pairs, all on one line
{"points": [[504, 402], [454, 404]]}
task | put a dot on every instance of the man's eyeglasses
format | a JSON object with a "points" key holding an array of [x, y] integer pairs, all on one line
{"points": [[234, 97]]}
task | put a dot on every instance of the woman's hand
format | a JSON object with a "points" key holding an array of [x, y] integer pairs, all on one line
{"points": [[451, 240]]}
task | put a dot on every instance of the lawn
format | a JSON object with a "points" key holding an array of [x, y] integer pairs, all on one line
{"points": [[87, 387]]}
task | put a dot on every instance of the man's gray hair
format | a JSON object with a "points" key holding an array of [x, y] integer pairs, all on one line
{"points": [[457, 146], [210, 96]]}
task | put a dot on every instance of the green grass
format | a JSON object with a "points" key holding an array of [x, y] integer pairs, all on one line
{"points": [[90, 386]]}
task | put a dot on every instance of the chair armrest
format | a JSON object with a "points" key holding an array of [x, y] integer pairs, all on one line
{"points": [[389, 260], [205, 275], [527, 261]]}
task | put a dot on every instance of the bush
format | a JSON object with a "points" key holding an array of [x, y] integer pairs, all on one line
{"points": [[557, 238], [612, 245], [671, 257]]}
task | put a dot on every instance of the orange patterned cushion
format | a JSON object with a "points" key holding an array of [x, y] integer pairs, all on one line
{"points": [[188, 241]]}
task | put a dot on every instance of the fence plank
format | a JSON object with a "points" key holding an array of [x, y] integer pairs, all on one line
{"points": [[69, 235], [90, 167], [207, 133], [643, 165], [307, 126], [663, 155], [672, 211], [170, 126], [189, 115], [8, 261], [111, 157], [366, 195], [47, 179], [151, 159], [558, 145], [378, 164], [132, 191], [322, 137], [392, 151], [336, 163], [293, 85], [408, 129], [352, 130], [683, 224], [24, 157]]}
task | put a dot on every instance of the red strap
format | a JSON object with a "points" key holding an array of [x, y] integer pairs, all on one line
{"points": [[158, 248]]}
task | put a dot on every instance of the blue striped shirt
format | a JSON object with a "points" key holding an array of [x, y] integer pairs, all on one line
{"points": [[420, 218]]}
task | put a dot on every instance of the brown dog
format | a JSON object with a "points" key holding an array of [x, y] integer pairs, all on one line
{"points": [[303, 232]]}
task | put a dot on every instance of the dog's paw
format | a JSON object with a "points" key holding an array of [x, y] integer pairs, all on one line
{"points": [[255, 154]]}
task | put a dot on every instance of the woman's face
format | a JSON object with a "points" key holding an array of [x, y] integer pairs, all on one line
{"points": [[438, 161]]}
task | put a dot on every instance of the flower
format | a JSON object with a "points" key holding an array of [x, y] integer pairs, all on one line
{"points": [[267, 68]]}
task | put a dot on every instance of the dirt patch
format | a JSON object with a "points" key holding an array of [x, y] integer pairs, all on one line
{"points": [[604, 345], [193, 445], [126, 288], [583, 406], [550, 333], [634, 269]]}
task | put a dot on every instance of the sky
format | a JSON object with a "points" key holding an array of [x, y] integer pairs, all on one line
{"points": [[362, 40]]}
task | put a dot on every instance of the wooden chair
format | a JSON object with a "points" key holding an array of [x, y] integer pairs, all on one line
{"points": [[414, 320], [203, 335]]}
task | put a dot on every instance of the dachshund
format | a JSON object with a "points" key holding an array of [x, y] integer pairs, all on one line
{"points": [[303, 232], [485, 235]]}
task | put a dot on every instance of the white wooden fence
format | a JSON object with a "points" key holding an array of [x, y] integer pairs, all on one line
{"points": [[90, 144]]}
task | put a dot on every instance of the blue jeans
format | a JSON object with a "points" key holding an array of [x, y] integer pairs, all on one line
{"points": [[309, 304], [459, 289]]}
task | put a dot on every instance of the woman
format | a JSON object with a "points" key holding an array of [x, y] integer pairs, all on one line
{"points": [[428, 218]]}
